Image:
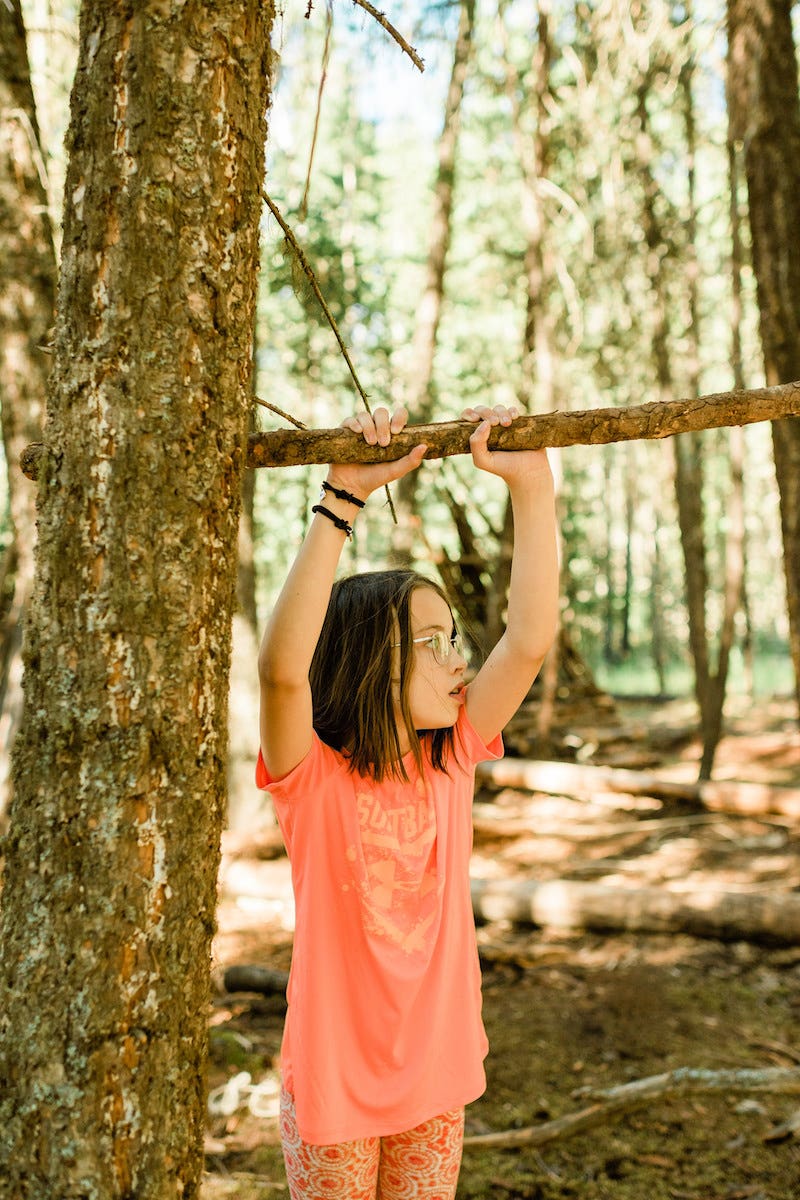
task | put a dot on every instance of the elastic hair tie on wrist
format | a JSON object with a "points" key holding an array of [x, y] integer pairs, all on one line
{"points": [[340, 494], [338, 521]]}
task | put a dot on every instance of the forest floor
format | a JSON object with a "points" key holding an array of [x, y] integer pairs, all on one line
{"points": [[568, 1010]]}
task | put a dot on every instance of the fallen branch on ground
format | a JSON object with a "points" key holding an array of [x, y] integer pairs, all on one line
{"points": [[576, 779], [612, 1102], [761, 917]]}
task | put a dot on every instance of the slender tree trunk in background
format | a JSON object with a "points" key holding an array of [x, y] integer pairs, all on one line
{"points": [[27, 298], [630, 508], [109, 891], [419, 393], [609, 608], [716, 684], [689, 471], [537, 382], [246, 806], [687, 447], [765, 119], [737, 528], [657, 639]]}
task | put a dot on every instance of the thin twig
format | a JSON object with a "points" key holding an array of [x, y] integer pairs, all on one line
{"points": [[312, 279], [390, 29], [279, 411], [326, 54]]}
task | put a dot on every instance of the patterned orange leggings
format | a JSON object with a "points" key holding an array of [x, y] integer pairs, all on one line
{"points": [[421, 1164]]}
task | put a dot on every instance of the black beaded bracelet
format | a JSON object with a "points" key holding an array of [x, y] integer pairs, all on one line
{"points": [[340, 494], [338, 521]]}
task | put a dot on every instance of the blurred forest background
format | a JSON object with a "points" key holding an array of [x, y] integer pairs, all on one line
{"points": [[552, 215]]}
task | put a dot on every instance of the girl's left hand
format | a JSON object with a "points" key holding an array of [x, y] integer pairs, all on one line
{"points": [[510, 465]]}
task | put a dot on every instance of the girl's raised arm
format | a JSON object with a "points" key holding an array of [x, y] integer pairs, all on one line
{"points": [[294, 627], [505, 678]]}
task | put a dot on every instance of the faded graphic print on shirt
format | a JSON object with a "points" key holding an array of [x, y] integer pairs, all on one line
{"points": [[394, 869]]}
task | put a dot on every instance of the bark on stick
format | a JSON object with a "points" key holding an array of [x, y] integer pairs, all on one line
{"points": [[284, 448], [590, 427]]}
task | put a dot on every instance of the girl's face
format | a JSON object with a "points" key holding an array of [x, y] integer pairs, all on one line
{"points": [[435, 690]]}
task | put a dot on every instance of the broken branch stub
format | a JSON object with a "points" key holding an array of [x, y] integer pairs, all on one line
{"points": [[659, 419]]}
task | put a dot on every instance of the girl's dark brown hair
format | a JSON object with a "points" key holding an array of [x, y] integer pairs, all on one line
{"points": [[351, 674]]}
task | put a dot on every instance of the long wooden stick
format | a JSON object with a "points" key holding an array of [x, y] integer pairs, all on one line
{"points": [[613, 1102], [291, 447], [590, 427]]}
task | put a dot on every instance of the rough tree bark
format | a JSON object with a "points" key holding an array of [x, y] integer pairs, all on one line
{"points": [[765, 121], [109, 890], [27, 298]]}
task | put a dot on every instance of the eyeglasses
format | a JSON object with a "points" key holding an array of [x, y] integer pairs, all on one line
{"points": [[441, 644]]}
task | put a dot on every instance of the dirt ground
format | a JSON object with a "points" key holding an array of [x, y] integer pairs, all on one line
{"points": [[573, 1010]]}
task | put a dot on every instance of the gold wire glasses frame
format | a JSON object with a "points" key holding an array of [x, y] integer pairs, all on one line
{"points": [[441, 644]]}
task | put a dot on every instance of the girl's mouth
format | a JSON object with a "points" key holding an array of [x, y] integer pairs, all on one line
{"points": [[459, 692]]}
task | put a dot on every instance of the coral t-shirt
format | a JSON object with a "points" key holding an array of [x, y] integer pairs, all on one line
{"points": [[383, 1029]]}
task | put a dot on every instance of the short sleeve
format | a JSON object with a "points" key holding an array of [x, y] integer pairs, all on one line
{"points": [[471, 748], [320, 760]]}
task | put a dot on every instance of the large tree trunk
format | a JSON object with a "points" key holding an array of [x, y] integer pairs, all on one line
{"points": [[120, 769], [765, 119], [27, 297]]}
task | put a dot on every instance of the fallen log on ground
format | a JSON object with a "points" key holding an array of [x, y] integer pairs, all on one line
{"points": [[765, 918], [492, 821], [576, 779], [613, 1102], [599, 426], [263, 844], [249, 978]]}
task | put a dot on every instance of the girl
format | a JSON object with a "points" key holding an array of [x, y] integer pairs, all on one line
{"points": [[369, 742]]}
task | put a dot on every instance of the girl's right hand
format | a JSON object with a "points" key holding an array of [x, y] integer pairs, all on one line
{"points": [[377, 429]]}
